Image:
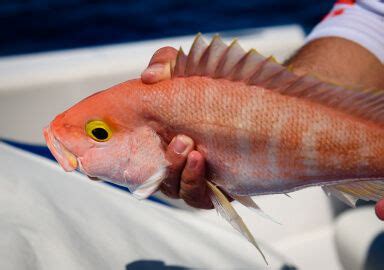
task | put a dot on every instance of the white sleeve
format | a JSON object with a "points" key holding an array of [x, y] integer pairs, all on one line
{"points": [[360, 21]]}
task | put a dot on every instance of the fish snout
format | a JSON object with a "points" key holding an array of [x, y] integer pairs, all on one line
{"points": [[64, 157]]}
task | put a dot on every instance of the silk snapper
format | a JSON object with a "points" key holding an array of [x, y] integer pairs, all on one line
{"points": [[261, 128]]}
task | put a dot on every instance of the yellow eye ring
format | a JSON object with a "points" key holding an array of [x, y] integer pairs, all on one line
{"points": [[98, 131]]}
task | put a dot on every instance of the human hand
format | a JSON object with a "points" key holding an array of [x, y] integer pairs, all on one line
{"points": [[187, 170], [160, 66], [379, 209]]}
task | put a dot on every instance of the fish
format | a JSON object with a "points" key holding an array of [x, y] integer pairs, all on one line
{"points": [[261, 128]]}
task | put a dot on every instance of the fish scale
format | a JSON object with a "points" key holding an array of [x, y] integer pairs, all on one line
{"points": [[316, 126]]}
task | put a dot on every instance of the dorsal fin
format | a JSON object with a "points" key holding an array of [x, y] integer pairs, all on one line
{"points": [[194, 57], [218, 60], [230, 58], [211, 57], [181, 62]]}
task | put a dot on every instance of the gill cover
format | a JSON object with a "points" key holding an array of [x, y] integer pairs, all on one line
{"points": [[147, 166]]}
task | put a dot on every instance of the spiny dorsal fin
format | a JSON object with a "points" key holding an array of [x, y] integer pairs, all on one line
{"points": [[246, 67], [211, 57], [196, 52], [181, 61], [230, 58], [218, 60]]}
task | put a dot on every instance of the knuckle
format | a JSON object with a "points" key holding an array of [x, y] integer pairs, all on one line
{"points": [[189, 197], [169, 192], [197, 201], [175, 158], [192, 178], [163, 55], [191, 193], [170, 187], [177, 161], [190, 181]]}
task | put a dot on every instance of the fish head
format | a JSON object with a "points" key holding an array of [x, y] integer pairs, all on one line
{"points": [[103, 140]]}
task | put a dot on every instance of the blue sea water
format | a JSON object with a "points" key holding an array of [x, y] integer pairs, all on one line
{"points": [[41, 25]]}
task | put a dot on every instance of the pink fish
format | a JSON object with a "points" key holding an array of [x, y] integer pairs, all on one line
{"points": [[261, 128]]}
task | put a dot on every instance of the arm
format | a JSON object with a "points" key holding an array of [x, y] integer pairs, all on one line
{"points": [[339, 61], [344, 62]]}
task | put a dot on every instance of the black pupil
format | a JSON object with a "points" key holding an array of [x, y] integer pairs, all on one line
{"points": [[100, 133]]}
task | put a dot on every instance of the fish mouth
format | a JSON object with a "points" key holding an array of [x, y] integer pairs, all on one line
{"points": [[66, 159]]}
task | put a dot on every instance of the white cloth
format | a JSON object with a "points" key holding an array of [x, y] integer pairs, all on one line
{"points": [[50, 219], [359, 236], [362, 22]]}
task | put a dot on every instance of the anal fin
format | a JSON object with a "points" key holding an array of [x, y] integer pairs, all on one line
{"points": [[351, 192], [344, 197], [226, 210]]}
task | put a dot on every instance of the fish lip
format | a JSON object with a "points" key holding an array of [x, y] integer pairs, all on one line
{"points": [[64, 157]]}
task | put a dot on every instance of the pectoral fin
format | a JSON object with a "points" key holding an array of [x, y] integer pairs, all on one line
{"points": [[150, 185], [147, 166], [226, 210]]}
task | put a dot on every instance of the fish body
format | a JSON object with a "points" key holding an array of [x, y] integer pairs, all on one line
{"points": [[261, 128], [255, 141], [259, 141]]}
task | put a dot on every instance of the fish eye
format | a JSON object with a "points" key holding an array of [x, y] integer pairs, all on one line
{"points": [[98, 131]]}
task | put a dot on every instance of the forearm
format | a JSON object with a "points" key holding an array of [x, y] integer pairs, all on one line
{"points": [[344, 62], [339, 61]]}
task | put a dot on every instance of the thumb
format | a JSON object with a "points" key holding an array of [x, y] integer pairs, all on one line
{"points": [[161, 65], [379, 209]]}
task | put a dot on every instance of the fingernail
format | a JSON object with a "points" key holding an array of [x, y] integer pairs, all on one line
{"points": [[181, 144], [191, 163], [152, 73], [155, 68]]}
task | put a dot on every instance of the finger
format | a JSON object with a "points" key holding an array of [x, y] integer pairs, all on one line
{"points": [[379, 209], [193, 187], [93, 178], [161, 65], [164, 55], [176, 154]]}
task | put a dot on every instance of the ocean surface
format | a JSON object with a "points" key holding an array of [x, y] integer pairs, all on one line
{"points": [[44, 25]]}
